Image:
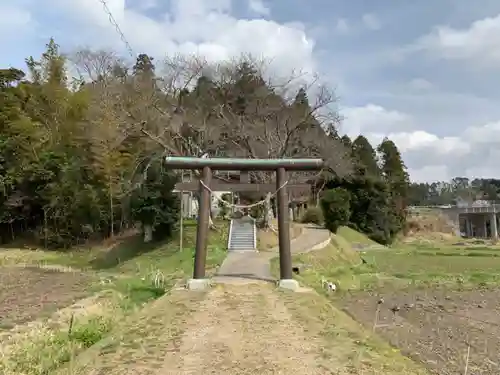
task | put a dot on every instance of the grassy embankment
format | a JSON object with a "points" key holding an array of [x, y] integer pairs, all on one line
{"points": [[123, 281]]}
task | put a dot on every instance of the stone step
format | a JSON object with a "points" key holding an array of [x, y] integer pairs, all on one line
{"points": [[242, 235]]}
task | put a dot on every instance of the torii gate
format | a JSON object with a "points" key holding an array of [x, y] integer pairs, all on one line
{"points": [[208, 165]]}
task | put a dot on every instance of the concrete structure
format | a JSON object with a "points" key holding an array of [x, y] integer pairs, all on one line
{"points": [[479, 219]]}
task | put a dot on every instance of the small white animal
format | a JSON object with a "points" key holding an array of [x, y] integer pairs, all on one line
{"points": [[328, 285]]}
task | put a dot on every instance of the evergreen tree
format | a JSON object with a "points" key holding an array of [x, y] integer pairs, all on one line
{"points": [[397, 178], [393, 169], [365, 158], [143, 66], [154, 205], [346, 141], [64, 164]]}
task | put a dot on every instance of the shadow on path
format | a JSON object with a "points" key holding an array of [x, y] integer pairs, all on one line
{"points": [[247, 276]]}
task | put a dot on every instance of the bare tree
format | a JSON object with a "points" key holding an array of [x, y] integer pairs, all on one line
{"points": [[263, 120], [191, 108]]}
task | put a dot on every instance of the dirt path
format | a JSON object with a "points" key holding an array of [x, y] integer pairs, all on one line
{"points": [[243, 330], [247, 329], [239, 326]]}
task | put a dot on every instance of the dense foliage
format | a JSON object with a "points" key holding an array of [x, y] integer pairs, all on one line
{"points": [[81, 158], [451, 192], [377, 192], [313, 215], [336, 207], [65, 174]]}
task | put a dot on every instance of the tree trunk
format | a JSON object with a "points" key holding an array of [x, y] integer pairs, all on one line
{"points": [[45, 228], [318, 193], [268, 216], [111, 213], [148, 232]]}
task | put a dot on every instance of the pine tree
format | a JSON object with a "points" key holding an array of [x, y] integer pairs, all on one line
{"points": [[144, 66], [365, 158], [396, 176], [346, 141], [393, 168]]}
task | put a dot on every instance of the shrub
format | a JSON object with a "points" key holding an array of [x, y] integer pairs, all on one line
{"points": [[336, 207], [313, 215], [223, 208]]}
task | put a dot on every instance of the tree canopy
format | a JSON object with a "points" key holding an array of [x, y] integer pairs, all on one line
{"points": [[81, 157]]}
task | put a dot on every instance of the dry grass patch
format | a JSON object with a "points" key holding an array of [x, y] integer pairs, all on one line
{"points": [[29, 293], [139, 345], [35, 283], [40, 346], [346, 347], [268, 239], [27, 257]]}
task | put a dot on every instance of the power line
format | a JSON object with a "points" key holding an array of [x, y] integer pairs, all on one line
{"points": [[130, 51], [115, 24]]}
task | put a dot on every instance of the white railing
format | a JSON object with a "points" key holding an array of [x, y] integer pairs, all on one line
{"points": [[254, 236], [230, 234], [254, 232]]}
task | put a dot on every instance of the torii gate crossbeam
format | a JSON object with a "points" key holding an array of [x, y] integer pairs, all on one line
{"points": [[280, 166]]}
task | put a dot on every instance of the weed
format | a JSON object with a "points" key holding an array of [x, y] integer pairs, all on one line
{"points": [[43, 354]]}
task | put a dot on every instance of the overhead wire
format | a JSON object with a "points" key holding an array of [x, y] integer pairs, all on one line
{"points": [[130, 50]]}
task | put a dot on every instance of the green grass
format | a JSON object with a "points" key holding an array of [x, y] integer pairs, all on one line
{"points": [[346, 343], [337, 262], [135, 272], [439, 265], [46, 353], [355, 237], [131, 257], [401, 266]]}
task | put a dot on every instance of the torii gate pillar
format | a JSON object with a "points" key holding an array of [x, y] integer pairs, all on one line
{"points": [[283, 226], [280, 166]]}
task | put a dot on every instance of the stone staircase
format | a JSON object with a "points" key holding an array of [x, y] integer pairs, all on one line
{"points": [[242, 234]]}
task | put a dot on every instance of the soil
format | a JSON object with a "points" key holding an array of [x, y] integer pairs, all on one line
{"points": [[30, 293], [243, 330], [437, 327]]}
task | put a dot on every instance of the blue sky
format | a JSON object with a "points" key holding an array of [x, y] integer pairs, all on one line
{"points": [[425, 73]]}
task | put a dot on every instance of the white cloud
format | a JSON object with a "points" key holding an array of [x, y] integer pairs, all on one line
{"points": [[420, 84], [342, 26], [473, 152], [144, 4], [204, 27], [480, 42], [483, 134], [373, 119], [371, 21], [431, 173], [258, 7]]}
